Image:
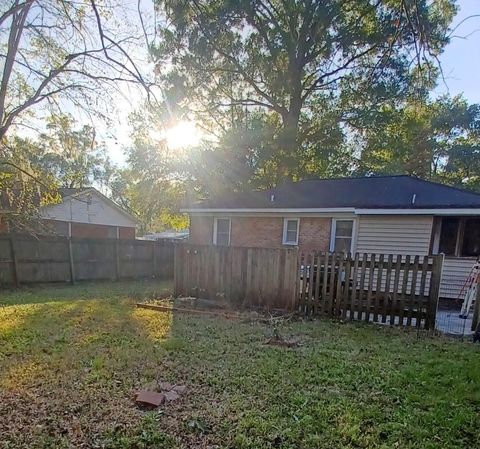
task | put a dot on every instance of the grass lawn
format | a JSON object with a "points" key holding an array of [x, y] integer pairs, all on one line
{"points": [[71, 359]]}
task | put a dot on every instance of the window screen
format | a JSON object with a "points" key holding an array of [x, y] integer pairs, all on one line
{"points": [[223, 232], [343, 236], [448, 236], [471, 237]]}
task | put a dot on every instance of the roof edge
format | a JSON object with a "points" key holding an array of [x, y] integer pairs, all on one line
{"points": [[356, 211], [106, 198]]}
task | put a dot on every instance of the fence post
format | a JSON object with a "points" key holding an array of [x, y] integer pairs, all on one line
{"points": [[176, 270], [476, 311], [154, 259], [437, 267], [16, 280], [117, 261], [294, 278], [70, 258]]}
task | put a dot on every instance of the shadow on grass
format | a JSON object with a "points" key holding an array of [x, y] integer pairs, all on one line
{"points": [[71, 367], [41, 293]]}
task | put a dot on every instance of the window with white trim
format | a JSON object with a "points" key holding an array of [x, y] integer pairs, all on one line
{"points": [[290, 231], [221, 231], [342, 236]]}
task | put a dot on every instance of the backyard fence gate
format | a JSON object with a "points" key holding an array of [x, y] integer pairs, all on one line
{"points": [[391, 289]]}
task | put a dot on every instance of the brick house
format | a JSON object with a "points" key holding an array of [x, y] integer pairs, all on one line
{"points": [[85, 212], [384, 214]]}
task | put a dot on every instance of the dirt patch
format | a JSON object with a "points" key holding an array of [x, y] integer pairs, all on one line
{"points": [[282, 342]]}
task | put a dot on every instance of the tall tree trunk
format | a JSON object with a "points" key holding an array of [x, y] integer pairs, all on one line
{"points": [[18, 23]]}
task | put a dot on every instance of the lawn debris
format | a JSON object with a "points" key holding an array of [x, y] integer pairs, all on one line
{"points": [[180, 389], [275, 341], [278, 340], [171, 395], [150, 398], [157, 393], [165, 386], [171, 391]]}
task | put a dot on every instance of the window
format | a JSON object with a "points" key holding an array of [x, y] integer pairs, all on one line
{"points": [[342, 236], [448, 236], [221, 231], [290, 231], [459, 236], [471, 237]]}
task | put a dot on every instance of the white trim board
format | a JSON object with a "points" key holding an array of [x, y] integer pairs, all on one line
{"points": [[337, 210], [270, 210]]}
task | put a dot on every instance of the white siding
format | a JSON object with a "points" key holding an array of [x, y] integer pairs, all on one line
{"points": [[384, 234], [455, 272], [87, 208]]}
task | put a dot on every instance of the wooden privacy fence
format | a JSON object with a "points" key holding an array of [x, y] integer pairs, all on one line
{"points": [[383, 288], [390, 289], [240, 276], [24, 259]]}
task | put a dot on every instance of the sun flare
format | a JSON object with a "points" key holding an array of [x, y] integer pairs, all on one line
{"points": [[182, 135]]}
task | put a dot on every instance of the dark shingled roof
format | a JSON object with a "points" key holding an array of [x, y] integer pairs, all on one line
{"points": [[376, 192]]}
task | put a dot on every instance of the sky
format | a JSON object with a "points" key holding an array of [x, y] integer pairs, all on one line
{"points": [[460, 64], [461, 59]]}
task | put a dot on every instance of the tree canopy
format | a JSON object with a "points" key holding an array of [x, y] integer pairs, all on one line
{"points": [[294, 58]]}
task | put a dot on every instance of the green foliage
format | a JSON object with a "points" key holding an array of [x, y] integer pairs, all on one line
{"points": [[153, 185], [278, 79], [33, 169], [73, 155], [431, 139]]}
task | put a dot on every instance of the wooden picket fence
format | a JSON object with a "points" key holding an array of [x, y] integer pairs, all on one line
{"points": [[393, 289], [382, 288]]}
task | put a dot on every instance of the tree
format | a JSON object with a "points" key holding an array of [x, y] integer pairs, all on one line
{"points": [[59, 52], [23, 186], [286, 56], [58, 55], [431, 139], [153, 185], [65, 155], [73, 156]]}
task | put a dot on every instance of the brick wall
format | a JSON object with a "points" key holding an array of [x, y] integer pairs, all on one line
{"points": [[126, 233], [314, 233], [265, 232], [201, 230], [96, 231]]}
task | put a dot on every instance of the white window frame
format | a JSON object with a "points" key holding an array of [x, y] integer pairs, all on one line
{"points": [[215, 226], [334, 232], [285, 227]]}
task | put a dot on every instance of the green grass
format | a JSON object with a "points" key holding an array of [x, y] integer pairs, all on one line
{"points": [[71, 359]]}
